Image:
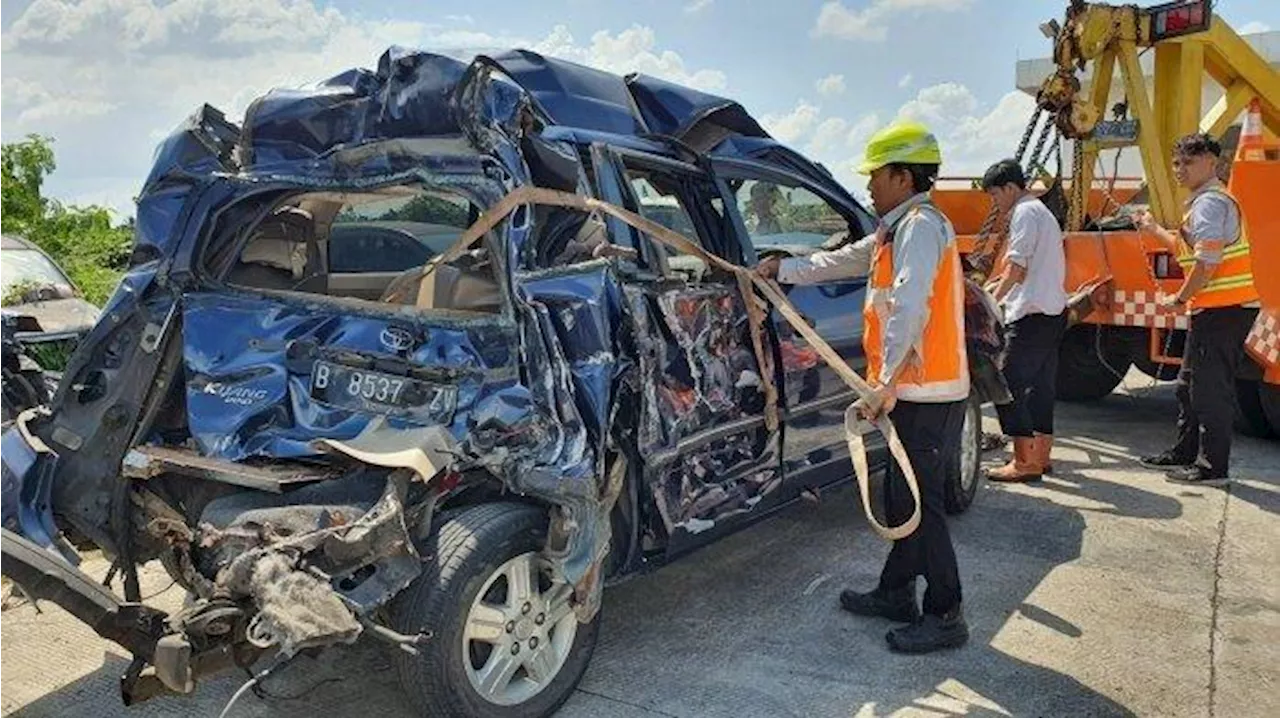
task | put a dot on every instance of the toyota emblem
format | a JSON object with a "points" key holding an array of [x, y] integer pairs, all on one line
{"points": [[396, 339]]}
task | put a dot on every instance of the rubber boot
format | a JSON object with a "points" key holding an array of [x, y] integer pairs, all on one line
{"points": [[1044, 451], [1023, 467]]}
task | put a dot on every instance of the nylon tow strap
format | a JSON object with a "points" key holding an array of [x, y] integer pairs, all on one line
{"points": [[855, 427]]}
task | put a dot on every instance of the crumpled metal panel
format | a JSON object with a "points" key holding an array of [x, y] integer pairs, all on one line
{"points": [[671, 109], [698, 374], [582, 309], [248, 369], [695, 357], [718, 481], [573, 95], [408, 95]]}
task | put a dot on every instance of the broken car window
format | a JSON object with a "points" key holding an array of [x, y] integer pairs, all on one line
{"points": [[360, 244], [658, 199]]}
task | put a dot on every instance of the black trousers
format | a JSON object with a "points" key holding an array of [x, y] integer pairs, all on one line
{"points": [[1030, 366], [931, 434], [1206, 388]]}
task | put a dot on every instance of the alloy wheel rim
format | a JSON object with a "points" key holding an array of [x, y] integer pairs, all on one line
{"points": [[519, 631]]}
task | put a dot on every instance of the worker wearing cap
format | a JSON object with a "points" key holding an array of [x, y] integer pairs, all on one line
{"points": [[1212, 247], [914, 344], [1031, 289]]}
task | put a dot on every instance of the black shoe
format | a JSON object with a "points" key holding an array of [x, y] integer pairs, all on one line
{"points": [[896, 605], [1165, 460], [1195, 475], [930, 633]]}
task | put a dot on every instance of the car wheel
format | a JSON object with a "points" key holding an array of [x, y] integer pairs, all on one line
{"points": [[1083, 375], [1269, 398], [964, 473], [1251, 417], [504, 640]]}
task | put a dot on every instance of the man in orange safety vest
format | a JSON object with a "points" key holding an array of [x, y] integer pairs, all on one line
{"points": [[1212, 246], [915, 347]]}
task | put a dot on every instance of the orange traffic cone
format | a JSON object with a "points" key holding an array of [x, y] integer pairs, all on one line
{"points": [[1251, 147]]}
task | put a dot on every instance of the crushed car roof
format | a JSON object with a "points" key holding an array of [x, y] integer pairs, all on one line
{"points": [[315, 134]]}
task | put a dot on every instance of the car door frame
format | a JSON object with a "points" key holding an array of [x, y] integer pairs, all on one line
{"points": [[829, 463], [611, 164]]}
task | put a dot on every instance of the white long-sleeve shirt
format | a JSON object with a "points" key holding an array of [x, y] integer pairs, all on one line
{"points": [[918, 243]]}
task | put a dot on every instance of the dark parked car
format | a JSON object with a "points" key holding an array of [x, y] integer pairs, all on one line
{"points": [[460, 468]]}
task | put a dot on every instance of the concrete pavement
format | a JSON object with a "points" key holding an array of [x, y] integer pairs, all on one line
{"points": [[1104, 590]]}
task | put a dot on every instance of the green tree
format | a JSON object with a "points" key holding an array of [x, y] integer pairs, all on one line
{"points": [[82, 240], [25, 165]]}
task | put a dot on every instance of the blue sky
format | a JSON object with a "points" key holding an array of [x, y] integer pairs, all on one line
{"points": [[109, 78]]}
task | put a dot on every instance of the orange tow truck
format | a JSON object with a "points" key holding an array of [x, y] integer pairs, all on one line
{"points": [[1114, 271]]}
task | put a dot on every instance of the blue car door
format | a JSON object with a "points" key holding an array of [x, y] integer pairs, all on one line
{"points": [[711, 459], [784, 215]]}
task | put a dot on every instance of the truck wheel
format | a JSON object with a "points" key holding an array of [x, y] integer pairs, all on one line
{"points": [[1251, 417], [1082, 374], [964, 471], [504, 641], [1269, 397]]}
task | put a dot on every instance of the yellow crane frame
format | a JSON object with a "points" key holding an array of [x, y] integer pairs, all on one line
{"points": [[1109, 35]]}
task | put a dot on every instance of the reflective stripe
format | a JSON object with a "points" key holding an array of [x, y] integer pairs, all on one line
{"points": [[1232, 281], [937, 369], [937, 392]]}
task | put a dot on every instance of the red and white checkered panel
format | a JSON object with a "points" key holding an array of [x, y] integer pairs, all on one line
{"points": [[1139, 309], [1263, 341]]}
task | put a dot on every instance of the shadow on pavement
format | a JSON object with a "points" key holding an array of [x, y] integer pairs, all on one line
{"points": [[749, 626]]}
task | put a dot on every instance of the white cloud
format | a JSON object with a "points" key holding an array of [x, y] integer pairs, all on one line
{"points": [[831, 85], [632, 50], [697, 6], [108, 78], [200, 27], [1255, 26], [828, 137], [461, 19], [971, 137], [972, 134], [872, 23], [905, 81], [940, 104], [794, 125], [22, 92], [862, 130]]}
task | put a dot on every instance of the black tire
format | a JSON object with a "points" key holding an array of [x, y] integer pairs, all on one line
{"points": [[1082, 374], [467, 548], [962, 481], [1269, 397], [1251, 416]]}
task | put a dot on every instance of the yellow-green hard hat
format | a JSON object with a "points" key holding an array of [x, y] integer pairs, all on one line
{"points": [[905, 141]]}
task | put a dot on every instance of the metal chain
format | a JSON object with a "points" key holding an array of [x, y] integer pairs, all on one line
{"points": [[1075, 209], [1049, 128], [1026, 134], [983, 258]]}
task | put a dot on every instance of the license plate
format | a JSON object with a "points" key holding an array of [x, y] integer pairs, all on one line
{"points": [[380, 393]]}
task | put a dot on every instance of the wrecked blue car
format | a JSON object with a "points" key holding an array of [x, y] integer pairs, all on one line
{"points": [[326, 419]]}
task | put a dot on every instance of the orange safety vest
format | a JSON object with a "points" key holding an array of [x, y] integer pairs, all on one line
{"points": [[1232, 281], [937, 368]]}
